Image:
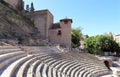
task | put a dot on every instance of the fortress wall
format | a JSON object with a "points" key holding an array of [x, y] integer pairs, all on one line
{"points": [[49, 19], [43, 20], [49, 23], [54, 37]]}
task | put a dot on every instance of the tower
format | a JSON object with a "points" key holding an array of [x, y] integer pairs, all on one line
{"points": [[60, 33], [66, 31]]}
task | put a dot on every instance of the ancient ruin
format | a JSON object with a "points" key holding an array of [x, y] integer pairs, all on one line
{"points": [[57, 33]]}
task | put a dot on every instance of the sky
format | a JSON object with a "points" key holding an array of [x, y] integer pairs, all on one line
{"points": [[92, 16]]}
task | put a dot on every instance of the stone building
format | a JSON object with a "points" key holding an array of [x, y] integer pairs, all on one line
{"points": [[43, 20], [58, 33], [117, 38], [61, 32]]}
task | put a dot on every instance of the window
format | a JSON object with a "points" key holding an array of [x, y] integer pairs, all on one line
{"points": [[59, 32]]}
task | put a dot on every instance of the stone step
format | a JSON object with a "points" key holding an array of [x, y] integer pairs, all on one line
{"points": [[62, 66], [67, 68], [44, 64], [7, 47], [5, 63], [9, 71], [33, 68], [31, 72], [24, 67], [38, 70], [55, 63], [44, 72], [76, 71], [9, 55], [4, 51], [41, 70], [52, 71]]}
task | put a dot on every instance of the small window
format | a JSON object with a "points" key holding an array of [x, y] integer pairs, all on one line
{"points": [[59, 32]]}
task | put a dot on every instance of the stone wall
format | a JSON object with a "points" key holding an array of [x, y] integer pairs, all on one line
{"points": [[49, 23], [54, 37], [43, 20], [64, 38]]}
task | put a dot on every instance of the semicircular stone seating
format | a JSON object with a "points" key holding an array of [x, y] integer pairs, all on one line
{"points": [[48, 61]]}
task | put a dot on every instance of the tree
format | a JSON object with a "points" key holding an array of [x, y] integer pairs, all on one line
{"points": [[76, 37], [90, 45], [32, 7], [101, 43]]}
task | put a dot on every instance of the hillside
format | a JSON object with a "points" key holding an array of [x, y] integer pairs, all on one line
{"points": [[13, 24]]}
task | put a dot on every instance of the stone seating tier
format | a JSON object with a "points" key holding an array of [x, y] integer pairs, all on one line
{"points": [[42, 63]]}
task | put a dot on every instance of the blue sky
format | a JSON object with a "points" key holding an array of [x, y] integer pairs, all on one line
{"points": [[93, 16]]}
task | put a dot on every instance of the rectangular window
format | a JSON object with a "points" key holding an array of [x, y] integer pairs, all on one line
{"points": [[59, 32]]}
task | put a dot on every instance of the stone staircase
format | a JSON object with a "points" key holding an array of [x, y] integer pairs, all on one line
{"points": [[48, 61]]}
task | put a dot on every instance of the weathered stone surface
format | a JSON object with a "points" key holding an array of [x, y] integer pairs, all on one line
{"points": [[34, 42], [16, 4], [14, 25]]}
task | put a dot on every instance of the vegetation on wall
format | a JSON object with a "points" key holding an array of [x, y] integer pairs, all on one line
{"points": [[76, 37], [101, 43]]}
